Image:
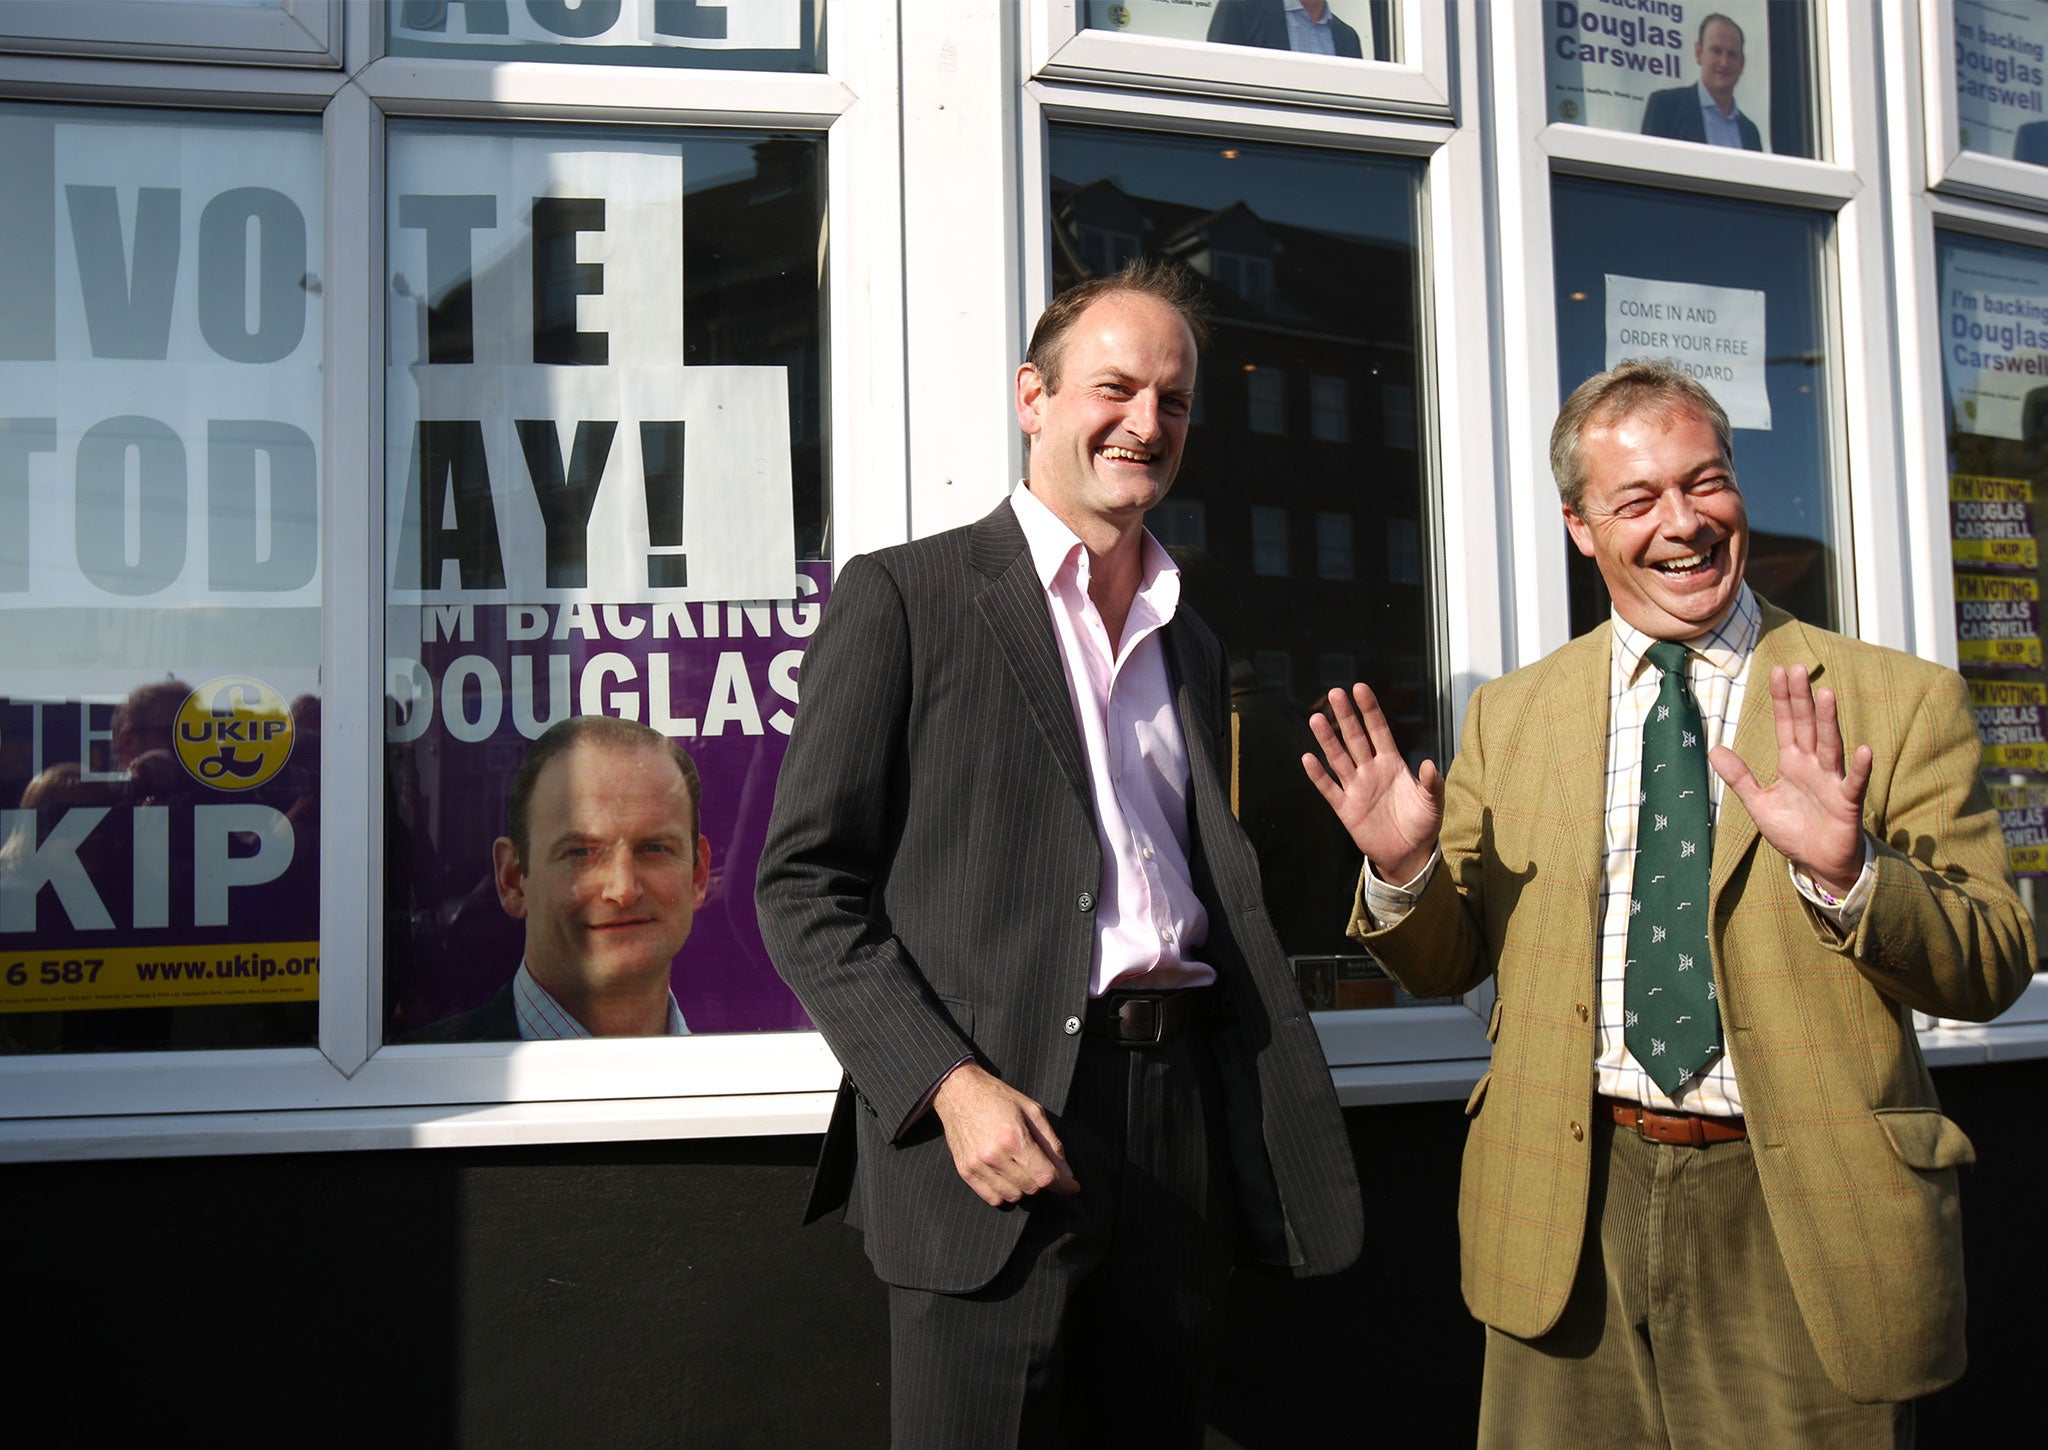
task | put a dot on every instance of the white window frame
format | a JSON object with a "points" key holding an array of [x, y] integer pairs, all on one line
{"points": [[1951, 168], [1416, 1053], [1061, 47], [296, 32], [350, 1091], [1921, 142]]}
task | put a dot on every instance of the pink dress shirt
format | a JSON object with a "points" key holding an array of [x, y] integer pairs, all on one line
{"points": [[1148, 920]]}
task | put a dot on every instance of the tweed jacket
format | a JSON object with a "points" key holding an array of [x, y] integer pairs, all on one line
{"points": [[928, 885], [1856, 1161]]}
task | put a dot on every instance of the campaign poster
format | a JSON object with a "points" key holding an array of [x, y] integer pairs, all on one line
{"points": [[1714, 334], [1998, 622], [2012, 719], [2002, 78], [577, 523], [160, 581], [754, 34], [1636, 65], [471, 686], [1994, 339], [1991, 524], [1191, 19], [2023, 812]]}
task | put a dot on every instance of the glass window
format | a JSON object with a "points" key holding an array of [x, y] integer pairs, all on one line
{"points": [[762, 35], [1355, 29], [1269, 541], [604, 456], [1334, 298], [160, 589], [1266, 395], [1994, 303], [1733, 292], [1329, 401], [1738, 73], [2001, 78], [1333, 546]]}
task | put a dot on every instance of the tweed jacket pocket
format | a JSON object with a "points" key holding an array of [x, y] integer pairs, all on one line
{"points": [[1478, 1096], [1925, 1139]]}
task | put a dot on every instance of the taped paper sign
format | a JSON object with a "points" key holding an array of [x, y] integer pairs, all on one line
{"points": [[1714, 334]]}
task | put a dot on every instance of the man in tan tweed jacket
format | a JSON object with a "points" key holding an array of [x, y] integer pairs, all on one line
{"points": [[1771, 1256]]}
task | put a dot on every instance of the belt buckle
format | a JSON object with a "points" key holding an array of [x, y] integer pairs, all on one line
{"points": [[1140, 1021]]}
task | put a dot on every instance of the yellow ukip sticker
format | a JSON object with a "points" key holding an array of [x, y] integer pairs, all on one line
{"points": [[234, 733]]}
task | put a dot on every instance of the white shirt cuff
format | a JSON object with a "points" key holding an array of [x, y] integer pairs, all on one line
{"points": [[1842, 912], [1389, 903]]}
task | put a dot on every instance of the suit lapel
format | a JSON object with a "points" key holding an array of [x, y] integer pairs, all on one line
{"points": [[1579, 765], [1783, 642], [1013, 605]]}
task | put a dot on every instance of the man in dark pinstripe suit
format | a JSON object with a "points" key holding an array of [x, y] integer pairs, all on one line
{"points": [[1003, 878]]}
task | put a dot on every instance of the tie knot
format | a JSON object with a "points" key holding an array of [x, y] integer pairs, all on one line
{"points": [[1668, 656]]}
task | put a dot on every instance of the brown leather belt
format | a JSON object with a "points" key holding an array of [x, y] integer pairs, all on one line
{"points": [[1692, 1130]]}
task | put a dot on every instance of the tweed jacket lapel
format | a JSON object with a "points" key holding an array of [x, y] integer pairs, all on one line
{"points": [[1013, 605], [1574, 728], [1782, 642]]}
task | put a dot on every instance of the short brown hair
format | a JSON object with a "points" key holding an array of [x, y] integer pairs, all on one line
{"points": [[1640, 386], [607, 731], [1701, 39], [1166, 282]]}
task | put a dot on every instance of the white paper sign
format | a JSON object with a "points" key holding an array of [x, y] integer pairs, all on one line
{"points": [[1714, 334], [543, 439], [1994, 338], [160, 357]]}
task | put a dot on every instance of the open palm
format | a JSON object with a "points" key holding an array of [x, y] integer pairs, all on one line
{"points": [[1393, 815]]}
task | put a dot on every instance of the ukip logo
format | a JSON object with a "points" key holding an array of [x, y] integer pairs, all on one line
{"points": [[234, 733]]}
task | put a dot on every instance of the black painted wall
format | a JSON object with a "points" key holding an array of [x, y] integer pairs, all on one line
{"points": [[663, 1294]]}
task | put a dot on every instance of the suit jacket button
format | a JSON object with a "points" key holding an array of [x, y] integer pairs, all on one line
{"points": [[1582, 1011], [1086, 901], [1578, 1133], [1073, 1025]]}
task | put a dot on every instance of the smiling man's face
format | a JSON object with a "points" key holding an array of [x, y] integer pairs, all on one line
{"points": [[615, 878], [1106, 435], [1663, 519]]}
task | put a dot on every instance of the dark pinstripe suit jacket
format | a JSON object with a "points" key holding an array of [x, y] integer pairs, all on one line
{"points": [[927, 888]]}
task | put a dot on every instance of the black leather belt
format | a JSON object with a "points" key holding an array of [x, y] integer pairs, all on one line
{"points": [[1146, 1019]]}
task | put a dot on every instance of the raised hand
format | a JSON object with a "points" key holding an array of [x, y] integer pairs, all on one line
{"points": [[1813, 812], [1003, 1145], [1392, 815]]}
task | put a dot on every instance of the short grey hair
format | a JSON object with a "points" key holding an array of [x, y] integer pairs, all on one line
{"points": [[1638, 387]]}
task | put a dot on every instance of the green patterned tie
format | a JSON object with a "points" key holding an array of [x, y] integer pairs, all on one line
{"points": [[1672, 1023]]}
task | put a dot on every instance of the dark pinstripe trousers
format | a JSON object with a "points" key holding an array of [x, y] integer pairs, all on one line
{"points": [[1681, 1332], [1102, 1327]]}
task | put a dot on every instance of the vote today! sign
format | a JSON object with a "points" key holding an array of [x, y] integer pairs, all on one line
{"points": [[576, 523], [160, 350]]}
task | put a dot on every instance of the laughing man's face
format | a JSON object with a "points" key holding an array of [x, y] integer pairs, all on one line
{"points": [[1663, 519]]}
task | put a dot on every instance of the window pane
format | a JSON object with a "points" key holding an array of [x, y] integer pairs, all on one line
{"points": [[2001, 66], [1357, 29], [1732, 292], [1994, 299], [766, 35], [1739, 73], [160, 475], [604, 436], [1310, 260]]}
